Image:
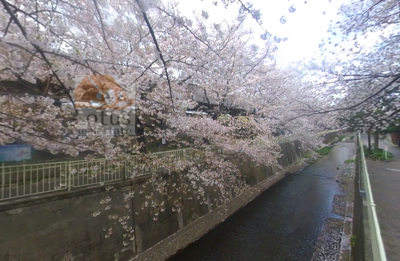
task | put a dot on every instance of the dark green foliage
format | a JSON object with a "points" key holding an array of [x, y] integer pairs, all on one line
{"points": [[324, 151], [348, 161], [377, 154], [353, 241], [307, 155], [394, 128]]}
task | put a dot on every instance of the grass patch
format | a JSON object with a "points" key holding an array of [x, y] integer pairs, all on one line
{"points": [[349, 161], [324, 150], [307, 155], [341, 138], [377, 154], [353, 241]]}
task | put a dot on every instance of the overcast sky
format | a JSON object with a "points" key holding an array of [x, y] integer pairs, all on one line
{"points": [[303, 22]]}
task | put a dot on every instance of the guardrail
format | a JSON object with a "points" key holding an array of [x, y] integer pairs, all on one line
{"points": [[373, 244], [21, 180], [30, 179]]}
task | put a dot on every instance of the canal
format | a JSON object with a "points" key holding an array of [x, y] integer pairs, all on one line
{"points": [[283, 223]]}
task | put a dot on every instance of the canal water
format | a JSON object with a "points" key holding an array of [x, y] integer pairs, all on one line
{"points": [[283, 223]]}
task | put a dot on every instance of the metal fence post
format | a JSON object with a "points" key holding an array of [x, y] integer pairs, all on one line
{"points": [[3, 180], [180, 218], [69, 176], [23, 177], [124, 174]]}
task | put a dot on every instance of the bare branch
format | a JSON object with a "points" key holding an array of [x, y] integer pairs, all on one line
{"points": [[153, 36], [349, 107], [38, 49], [101, 25]]}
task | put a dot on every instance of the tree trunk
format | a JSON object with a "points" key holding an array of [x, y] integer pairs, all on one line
{"points": [[369, 141], [376, 140]]}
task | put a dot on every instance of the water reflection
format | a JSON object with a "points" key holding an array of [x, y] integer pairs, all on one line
{"points": [[283, 223]]}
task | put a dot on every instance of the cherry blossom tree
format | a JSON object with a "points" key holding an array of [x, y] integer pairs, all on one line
{"points": [[239, 100], [361, 65], [162, 60], [154, 52]]}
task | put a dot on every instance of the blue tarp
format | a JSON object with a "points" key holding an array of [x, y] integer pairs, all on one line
{"points": [[15, 153]]}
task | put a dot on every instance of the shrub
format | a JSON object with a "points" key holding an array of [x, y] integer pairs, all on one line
{"points": [[349, 161], [324, 151], [377, 154]]}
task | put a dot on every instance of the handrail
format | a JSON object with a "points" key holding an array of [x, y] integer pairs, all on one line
{"points": [[28, 179], [97, 159], [378, 249]]}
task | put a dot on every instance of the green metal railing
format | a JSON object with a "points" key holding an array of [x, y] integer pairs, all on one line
{"points": [[373, 244], [21, 180]]}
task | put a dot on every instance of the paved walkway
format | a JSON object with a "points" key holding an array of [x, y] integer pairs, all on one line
{"points": [[385, 183]]}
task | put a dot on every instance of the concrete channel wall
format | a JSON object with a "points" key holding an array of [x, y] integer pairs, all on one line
{"points": [[95, 223]]}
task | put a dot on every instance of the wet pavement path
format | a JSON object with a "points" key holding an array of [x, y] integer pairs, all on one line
{"points": [[385, 185], [283, 223]]}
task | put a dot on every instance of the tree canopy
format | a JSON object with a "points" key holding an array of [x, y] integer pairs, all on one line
{"points": [[163, 60]]}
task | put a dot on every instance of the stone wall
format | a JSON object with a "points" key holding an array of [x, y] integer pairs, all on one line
{"points": [[94, 224], [62, 228]]}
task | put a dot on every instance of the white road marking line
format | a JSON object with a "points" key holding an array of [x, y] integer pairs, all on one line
{"points": [[397, 170]]}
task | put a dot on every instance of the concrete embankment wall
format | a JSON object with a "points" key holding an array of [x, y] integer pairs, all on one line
{"points": [[107, 224]]}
